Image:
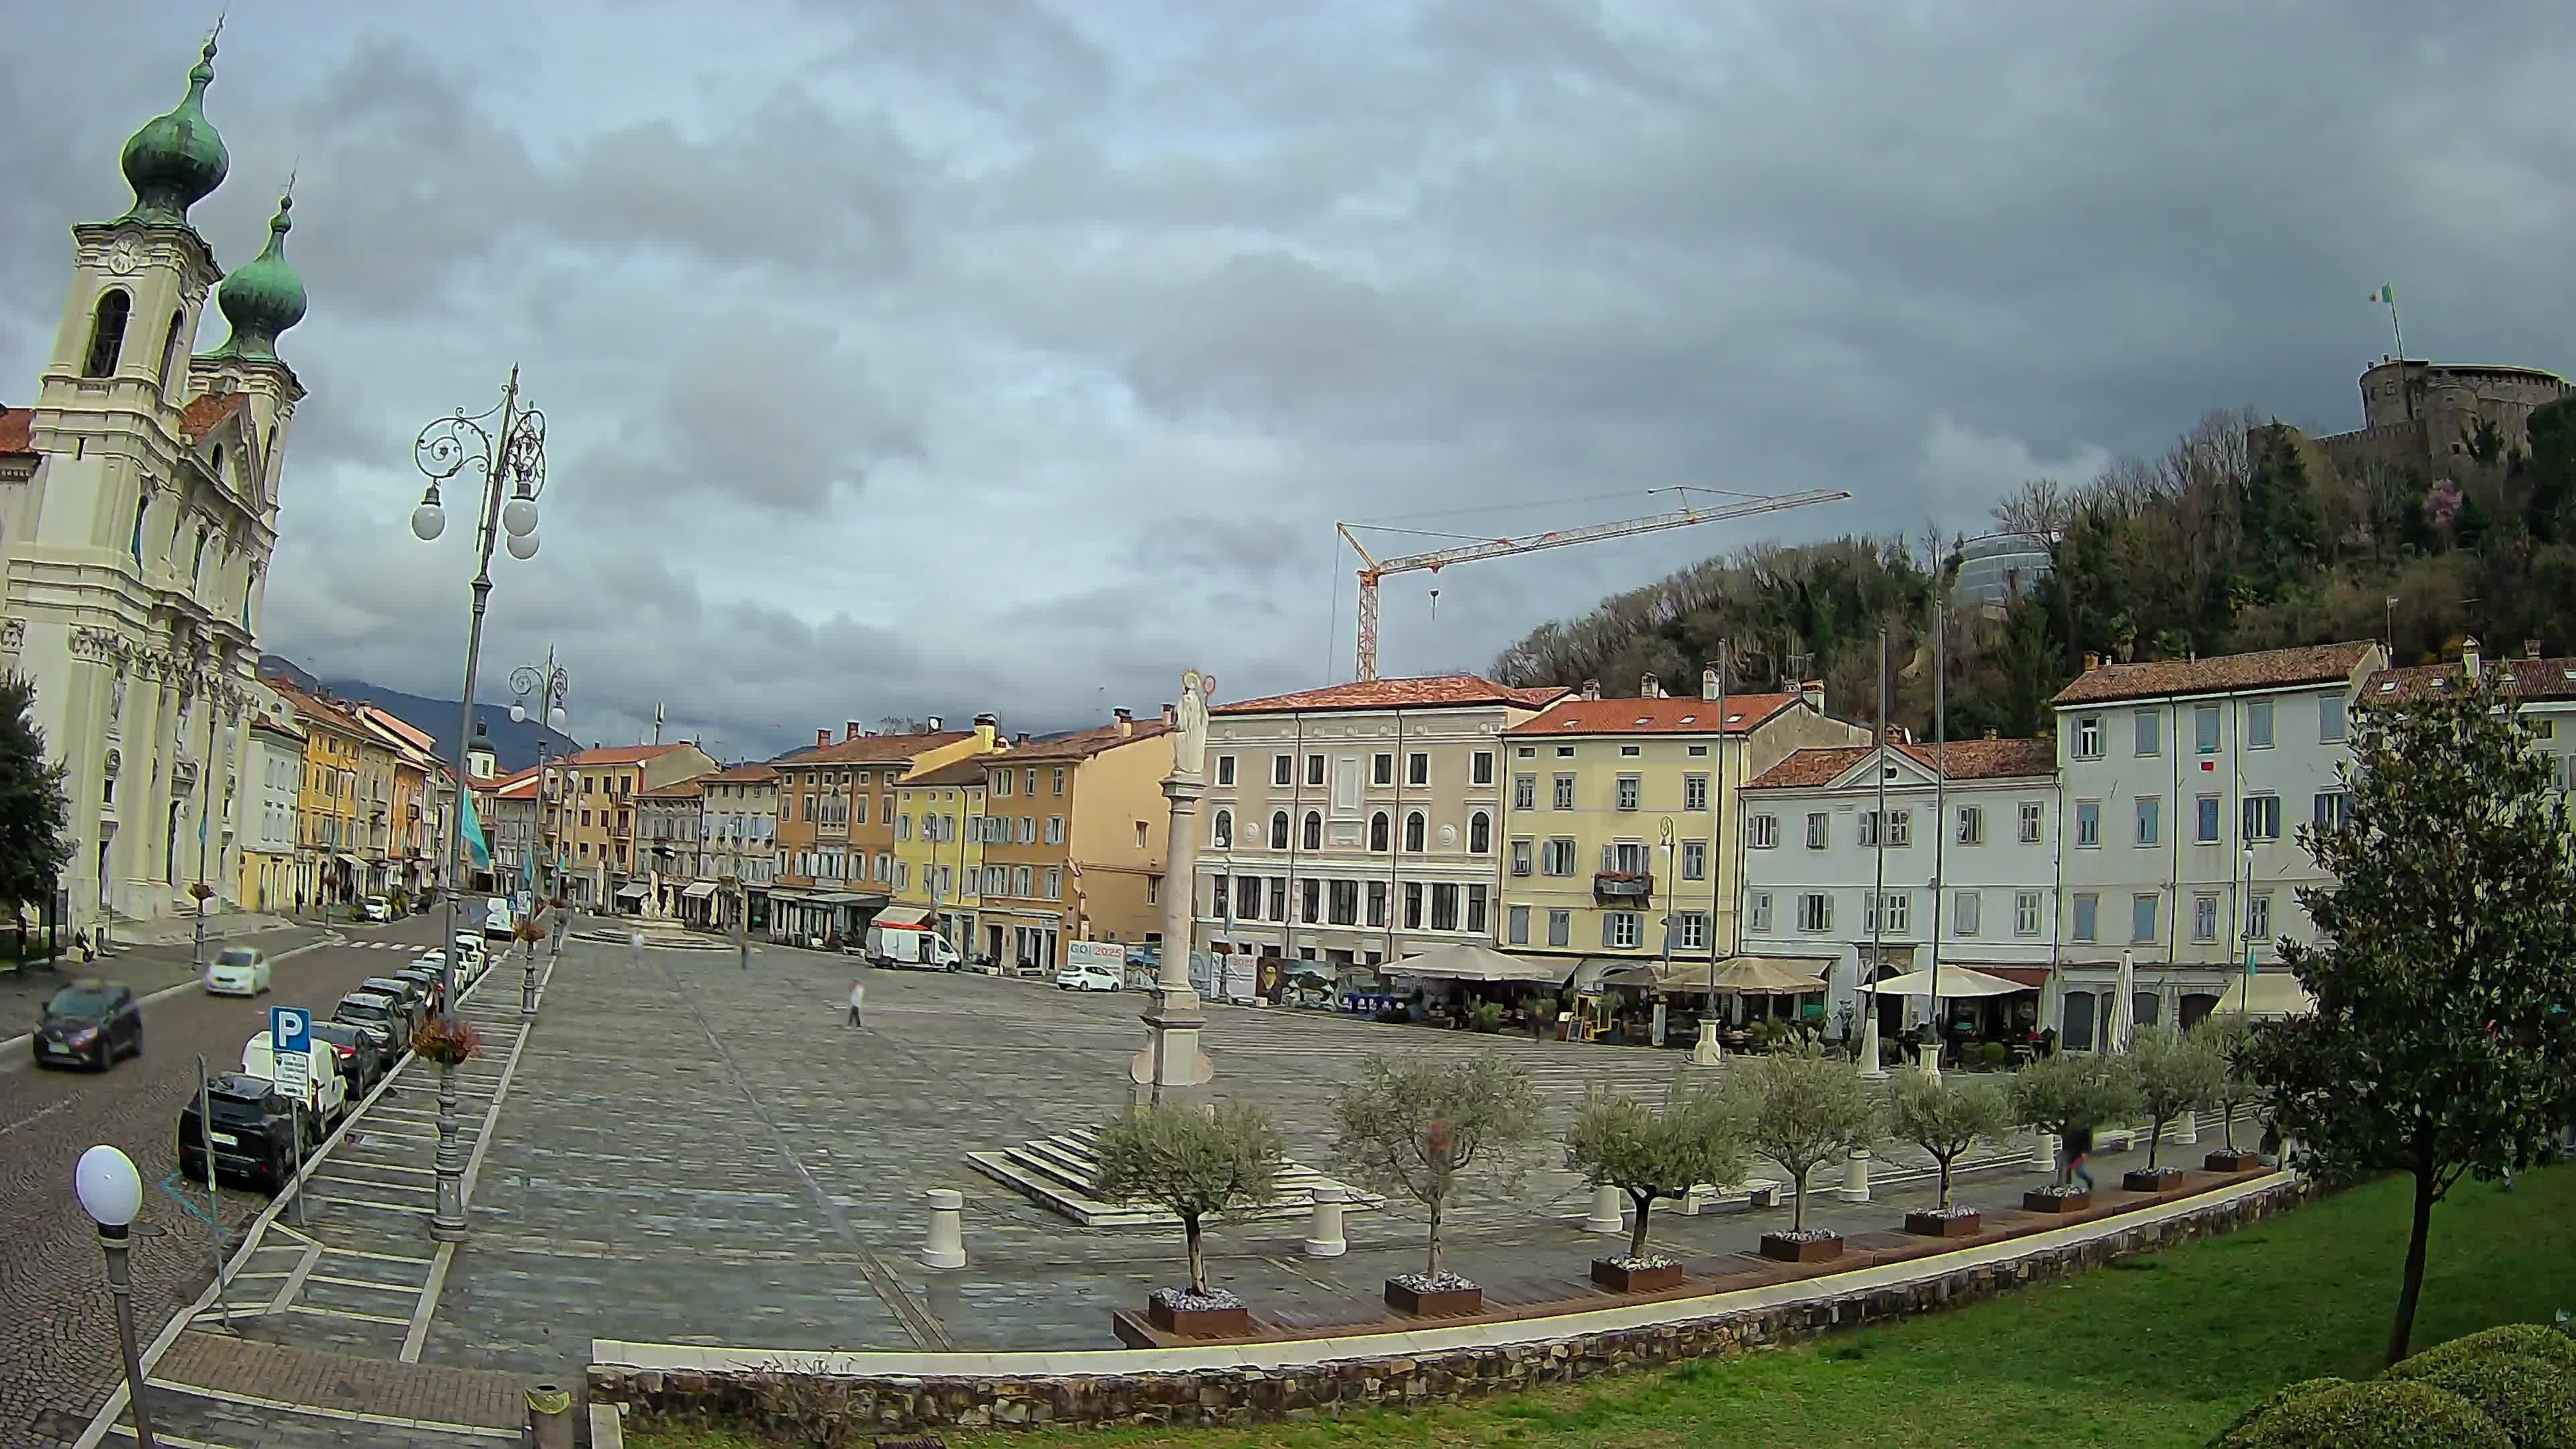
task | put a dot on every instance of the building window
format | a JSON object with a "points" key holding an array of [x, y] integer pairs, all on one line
{"points": [[2025, 913], [2088, 823], [2258, 724], [2204, 917], [2088, 737], [1417, 768], [1967, 912], [1900, 827], [1819, 830], [2033, 812], [1559, 857], [1972, 825], [1475, 910], [1378, 832], [1382, 768], [1898, 909], [1619, 930], [1314, 769], [1225, 769], [2142, 919], [2205, 820], [2150, 726], [1221, 833], [1153, 887], [1694, 930], [1343, 906], [2330, 720], [1516, 926], [2150, 819], [2088, 910], [1564, 797], [1757, 912], [2262, 817], [1694, 860], [1310, 904], [1762, 832], [1560, 927], [2204, 729], [1414, 826], [2334, 810], [1312, 838], [2258, 915], [1283, 771], [107, 332], [1480, 833], [1278, 830], [1525, 792], [1480, 769], [1815, 911], [1522, 850], [1413, 905], [1377, 903], [1694, 792], [1630, 789]]}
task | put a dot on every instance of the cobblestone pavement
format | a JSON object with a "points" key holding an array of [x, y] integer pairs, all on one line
{"points": [[58, 1355]]}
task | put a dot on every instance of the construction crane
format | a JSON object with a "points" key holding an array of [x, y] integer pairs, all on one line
{"points": [[1373, 569]]}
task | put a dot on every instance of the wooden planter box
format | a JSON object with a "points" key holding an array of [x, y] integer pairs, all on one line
{"points": [[1934, 1225], [1607, 1274], [2226, 1161], [1439, 1303], [1791, 1250], [1199, 1322], [2162, 1179], [2049, 1202]]}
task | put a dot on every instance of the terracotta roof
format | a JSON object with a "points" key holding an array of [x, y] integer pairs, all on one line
{"points": [[518, 787], [1430, 691], [968, 771], [617, 755], [744, 775], [1968, 760], [14, 423], [873, 749], [2529, 679], [1082, 744], [1653, 716], [689, 789], [2265, 669], [263, 722], [314, 706], [207, 409]]}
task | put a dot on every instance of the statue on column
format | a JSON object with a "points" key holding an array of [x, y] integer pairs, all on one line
{"points": [[1189, 735]]}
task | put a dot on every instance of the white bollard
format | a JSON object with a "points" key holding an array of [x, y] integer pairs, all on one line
{"points": [[1932, 1060], [2186, 1128], [1324, 1232], [1607, 1206], [2043, 1152], [1704, 1052], [1856, 1176], [1870, 1070], [946, 1246]]}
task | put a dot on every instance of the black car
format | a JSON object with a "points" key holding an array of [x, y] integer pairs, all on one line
{"points": [[365, 1053], [377, 1011], [426, 978], [415, 1000], [90, 1022], [254, 1135]]}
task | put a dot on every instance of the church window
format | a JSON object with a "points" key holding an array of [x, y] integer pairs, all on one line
{"points": [[170, 347], [107, 332], [197, 564], [142, 507]]}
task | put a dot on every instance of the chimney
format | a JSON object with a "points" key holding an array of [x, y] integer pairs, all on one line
{"points": [[1021, 738], [1896, 734], [2092, 661], [822, 738], [1126, 722], [1990, 734], [1592, 689], [935, 723], [1813, 692], [1650, 687], [2530, 648], [1708, 684], [849, 729], [1171, 715], [987, 725], [2469, 658]]}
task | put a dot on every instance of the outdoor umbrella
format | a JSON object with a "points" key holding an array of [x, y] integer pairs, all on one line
{"points": [[1743, 975], [1956, 982], [1467, 961], [2124, 1010]]}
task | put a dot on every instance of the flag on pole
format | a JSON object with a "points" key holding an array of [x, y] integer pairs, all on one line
{"points": [[475, 850], [2386, 294]]}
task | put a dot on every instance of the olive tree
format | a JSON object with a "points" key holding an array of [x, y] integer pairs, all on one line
{"points": [[1192, 1163], [2175, 1073], [1653, 1152], [2227, 1038], [2443, 962], [1800, 1106], [2072, 1092], [1421, 1127], [1946, 1116]]}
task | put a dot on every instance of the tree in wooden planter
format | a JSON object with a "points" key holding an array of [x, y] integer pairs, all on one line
{"points": [[1650, 1153], [1945, 1116], [1800, 1106], [1193, 1164], [1420, 1128], [2227, 1038], [2175, 1073], [2065, 1094]]}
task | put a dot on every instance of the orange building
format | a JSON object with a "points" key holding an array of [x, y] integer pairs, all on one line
{"points": [[1074, 830], [836, 824]]}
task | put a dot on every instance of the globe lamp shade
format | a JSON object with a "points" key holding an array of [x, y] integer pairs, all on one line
{"points": [[519, 517], [518, 714], [428, 521], [523, 545], [110, 1190]]}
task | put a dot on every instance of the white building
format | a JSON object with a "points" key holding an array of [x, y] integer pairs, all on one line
{"points": [[739, 825], [2544, 691], [2184, 784], [273, 777], [138, 502], [1975, 889]]}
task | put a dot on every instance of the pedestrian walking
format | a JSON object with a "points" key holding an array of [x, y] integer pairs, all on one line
{"points": [[2079, 1149], [858, 1002]]}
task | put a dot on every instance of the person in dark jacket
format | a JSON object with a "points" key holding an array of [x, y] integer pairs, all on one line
{"points": [[2079, 1148]]}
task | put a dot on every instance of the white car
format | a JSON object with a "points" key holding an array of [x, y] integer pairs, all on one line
{"points": [[327, 1094], [469, 956], [237, 971], [1087, 978], [376, 908]]}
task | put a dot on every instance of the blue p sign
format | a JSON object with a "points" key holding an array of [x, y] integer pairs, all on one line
{"points": [[290, 1029]]}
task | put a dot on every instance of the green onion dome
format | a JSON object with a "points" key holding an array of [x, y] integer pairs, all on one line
{"points": [[177, 160]]}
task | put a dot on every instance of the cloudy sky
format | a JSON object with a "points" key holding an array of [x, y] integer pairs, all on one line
{"points": [[909, 358]]}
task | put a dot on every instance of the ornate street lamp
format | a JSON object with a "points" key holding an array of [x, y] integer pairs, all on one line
{"points": [[111, 1192], [549, 684], [506, 446]]}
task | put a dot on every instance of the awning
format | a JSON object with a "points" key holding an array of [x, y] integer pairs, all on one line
{"points": [[1956, 981], [2269, 993], [1469, 962], [903, 916], [698, 890], [351, 861], [637, 890], [1739, 975], [845, 898], [2031, 977]]}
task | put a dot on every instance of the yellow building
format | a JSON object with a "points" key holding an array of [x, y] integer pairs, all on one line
{"points": [[1621, 813], [1074, 834], [410, 756], [329, 836], [591, 824], [939, 849]]}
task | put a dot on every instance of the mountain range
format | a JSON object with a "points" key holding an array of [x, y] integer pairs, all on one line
{"points": [[514, 744]]}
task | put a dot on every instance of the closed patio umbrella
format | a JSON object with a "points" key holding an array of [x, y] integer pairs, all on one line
{"points": [[2124, 1008]]}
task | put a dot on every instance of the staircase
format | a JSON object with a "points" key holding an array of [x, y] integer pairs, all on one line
{"points": [[1059, 1173]]}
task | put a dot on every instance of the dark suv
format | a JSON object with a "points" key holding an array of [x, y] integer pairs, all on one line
{"points": [[365, 1053], [90, 1022], [253, 1137]]}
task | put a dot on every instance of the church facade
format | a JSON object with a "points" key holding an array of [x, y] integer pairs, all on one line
{"points": [[138, 514]]}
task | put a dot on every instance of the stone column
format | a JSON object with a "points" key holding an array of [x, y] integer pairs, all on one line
{"points": [[1856, 1176], [1172, 1056], [1870, 1070], [946, 1245], [1607, 1205], [1324, 1232]]}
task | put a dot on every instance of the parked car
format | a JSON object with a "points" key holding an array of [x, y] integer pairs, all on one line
{"points": [[414, 998], [365, 1054], [469, 948], [238, 971], [497, 921], [382, 1012], [326, 1096], [252, 1136], [431, 984], [1087, 978], [90, 1021], [376, 908]]}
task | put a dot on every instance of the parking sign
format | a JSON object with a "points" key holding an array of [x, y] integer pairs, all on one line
{"points": [[290, 1035]]}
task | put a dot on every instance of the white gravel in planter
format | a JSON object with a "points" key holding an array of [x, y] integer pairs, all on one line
{"points": [[1954, 1210], [1805, 1235], [1182, 1300], [2062, 1189], [1642, 1265], [1425, 1283]]}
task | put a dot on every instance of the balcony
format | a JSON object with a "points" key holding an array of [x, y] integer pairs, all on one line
{"points": [[621, 832], [1626, 887]]}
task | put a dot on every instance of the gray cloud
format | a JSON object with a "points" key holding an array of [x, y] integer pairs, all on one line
{"points": [[909, 359]]}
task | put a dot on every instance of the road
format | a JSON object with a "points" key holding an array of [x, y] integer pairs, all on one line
{"points": [[58, 1353]]}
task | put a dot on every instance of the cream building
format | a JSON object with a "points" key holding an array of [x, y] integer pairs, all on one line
{"points": [[138, 501], [1356, 824]]}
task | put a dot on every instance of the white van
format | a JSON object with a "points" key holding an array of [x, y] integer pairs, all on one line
{"points": [[326, 1098], [497, 924]]}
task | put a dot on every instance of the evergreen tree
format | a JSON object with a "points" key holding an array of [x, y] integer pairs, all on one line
{"points": [[33, 811]]}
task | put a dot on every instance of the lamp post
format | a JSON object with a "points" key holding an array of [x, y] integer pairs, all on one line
{"points": [[111, 1192], [506, 445]]}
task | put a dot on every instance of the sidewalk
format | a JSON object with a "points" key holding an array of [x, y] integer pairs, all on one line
{"points": [[146, 968]]}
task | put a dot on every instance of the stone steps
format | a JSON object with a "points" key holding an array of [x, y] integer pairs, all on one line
{"points": [[1059, 1174]]}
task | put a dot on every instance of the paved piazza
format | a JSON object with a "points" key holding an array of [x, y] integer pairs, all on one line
{"points": [[687, 1152]]}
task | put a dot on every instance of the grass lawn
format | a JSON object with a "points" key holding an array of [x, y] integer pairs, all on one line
{"points": [[2161, 1350]]}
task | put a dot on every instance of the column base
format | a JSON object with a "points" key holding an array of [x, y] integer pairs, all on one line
{"points": [[1172, 1056]]}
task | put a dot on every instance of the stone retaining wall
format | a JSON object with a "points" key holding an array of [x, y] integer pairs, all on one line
{"points": [[787, 1397]]}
